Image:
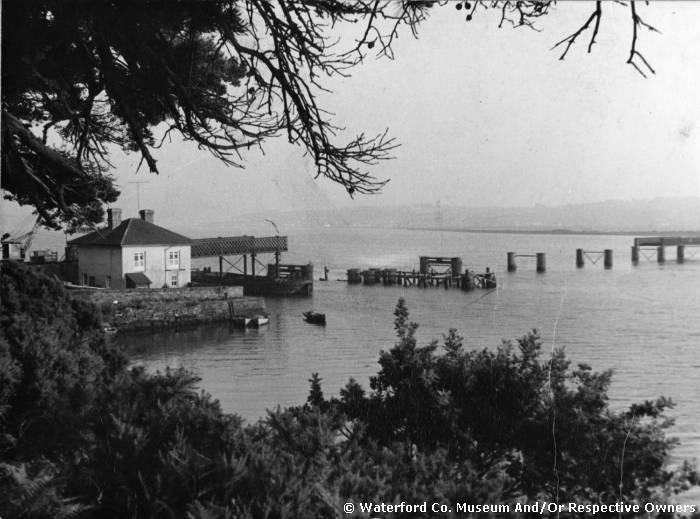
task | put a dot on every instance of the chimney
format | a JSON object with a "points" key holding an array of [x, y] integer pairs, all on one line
{"points": [[146, 215], [114, 218]]}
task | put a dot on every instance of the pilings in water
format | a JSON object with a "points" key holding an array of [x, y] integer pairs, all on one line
{"points": [[511, 262], [540, 260], [606, 254], [659, 243], [607, 258], [448, 278], [354, 276]]}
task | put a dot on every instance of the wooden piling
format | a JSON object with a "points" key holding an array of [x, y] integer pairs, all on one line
{"points": [[424, 263], [456, 266], [354, 276], [511, 262], [635, 254], [579, 258], [541, 262], [608, 258], [680, 253], [660, 254]]}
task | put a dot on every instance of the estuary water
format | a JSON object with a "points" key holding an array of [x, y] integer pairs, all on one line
{"points": [[641, 321]]}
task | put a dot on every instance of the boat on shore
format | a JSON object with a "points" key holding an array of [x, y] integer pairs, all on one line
{"points": [[315, 318], [252, 321], [258, 321]]}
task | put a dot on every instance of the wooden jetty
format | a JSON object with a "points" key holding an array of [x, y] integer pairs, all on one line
{"points": [[277, 279], [659, 244], [433, 271]]}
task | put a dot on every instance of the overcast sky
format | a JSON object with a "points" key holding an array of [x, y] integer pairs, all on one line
{"points": [[485, 117]]}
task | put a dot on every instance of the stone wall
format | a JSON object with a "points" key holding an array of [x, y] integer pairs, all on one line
{"points": [[157, 309]]}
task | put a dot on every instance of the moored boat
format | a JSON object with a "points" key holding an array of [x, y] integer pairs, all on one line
{"points": [[240, 321], [314, 317], [258, 321]]}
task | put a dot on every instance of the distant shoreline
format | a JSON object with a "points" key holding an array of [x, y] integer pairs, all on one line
{"points": [[551, 231]]}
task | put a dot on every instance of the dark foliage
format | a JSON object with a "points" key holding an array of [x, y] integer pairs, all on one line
{"points": [[84, 436], [81, 78]]}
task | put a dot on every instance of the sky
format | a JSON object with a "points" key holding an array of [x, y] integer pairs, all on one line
{"points": [[485, 117]]}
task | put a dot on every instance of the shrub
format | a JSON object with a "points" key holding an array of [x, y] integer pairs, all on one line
{"points": [[83, 435]]}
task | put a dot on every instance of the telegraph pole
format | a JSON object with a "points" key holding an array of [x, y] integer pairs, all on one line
{"points": [[138, 190]]}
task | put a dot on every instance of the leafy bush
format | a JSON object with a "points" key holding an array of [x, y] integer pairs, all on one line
{"points": [[548, 425], [84, 436]]}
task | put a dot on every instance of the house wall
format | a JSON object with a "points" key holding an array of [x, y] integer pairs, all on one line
{"points": [[156, 264], [100, 262]]}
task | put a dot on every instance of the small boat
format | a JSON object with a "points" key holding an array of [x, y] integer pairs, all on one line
{"points": [[108, 329], [241, 321], [314, 318], [258, 321]]}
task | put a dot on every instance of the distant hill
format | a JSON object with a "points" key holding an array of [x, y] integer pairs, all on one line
{"points": [[639, 216], [660, 215]]}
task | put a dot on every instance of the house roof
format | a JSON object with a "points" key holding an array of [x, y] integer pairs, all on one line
{"points": [[132, 231], [138, 278]]}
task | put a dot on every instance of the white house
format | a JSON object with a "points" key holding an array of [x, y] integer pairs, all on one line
{"points": [[132, 253]]}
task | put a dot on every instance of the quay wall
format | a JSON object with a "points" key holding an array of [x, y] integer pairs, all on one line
{"points": [[157, 309]]}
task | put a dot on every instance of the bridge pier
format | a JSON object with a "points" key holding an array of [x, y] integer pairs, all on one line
{"points": [[635, 254], [680, 253], [579, 258]]}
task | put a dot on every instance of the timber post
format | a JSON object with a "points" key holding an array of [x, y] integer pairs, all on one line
{"points": [[511, 262], [608, 258], [541, 262], [660, 254], [635, 255], [579, 258]]}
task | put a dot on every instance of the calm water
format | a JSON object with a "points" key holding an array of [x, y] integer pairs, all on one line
{"points": [[644, 321]]}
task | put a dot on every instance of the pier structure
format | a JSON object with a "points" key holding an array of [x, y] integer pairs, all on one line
{"points": [[540, 259], [594, 256], [241, 247], [241, 254], [433, 271], [659, 244]]}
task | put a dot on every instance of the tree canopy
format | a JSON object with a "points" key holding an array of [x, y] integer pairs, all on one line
{"points": [[81, 78]]}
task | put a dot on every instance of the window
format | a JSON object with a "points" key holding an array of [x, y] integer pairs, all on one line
{"points": [[139, 261], [108, 281], [173, 280], [85, 279], [174, 259]]}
